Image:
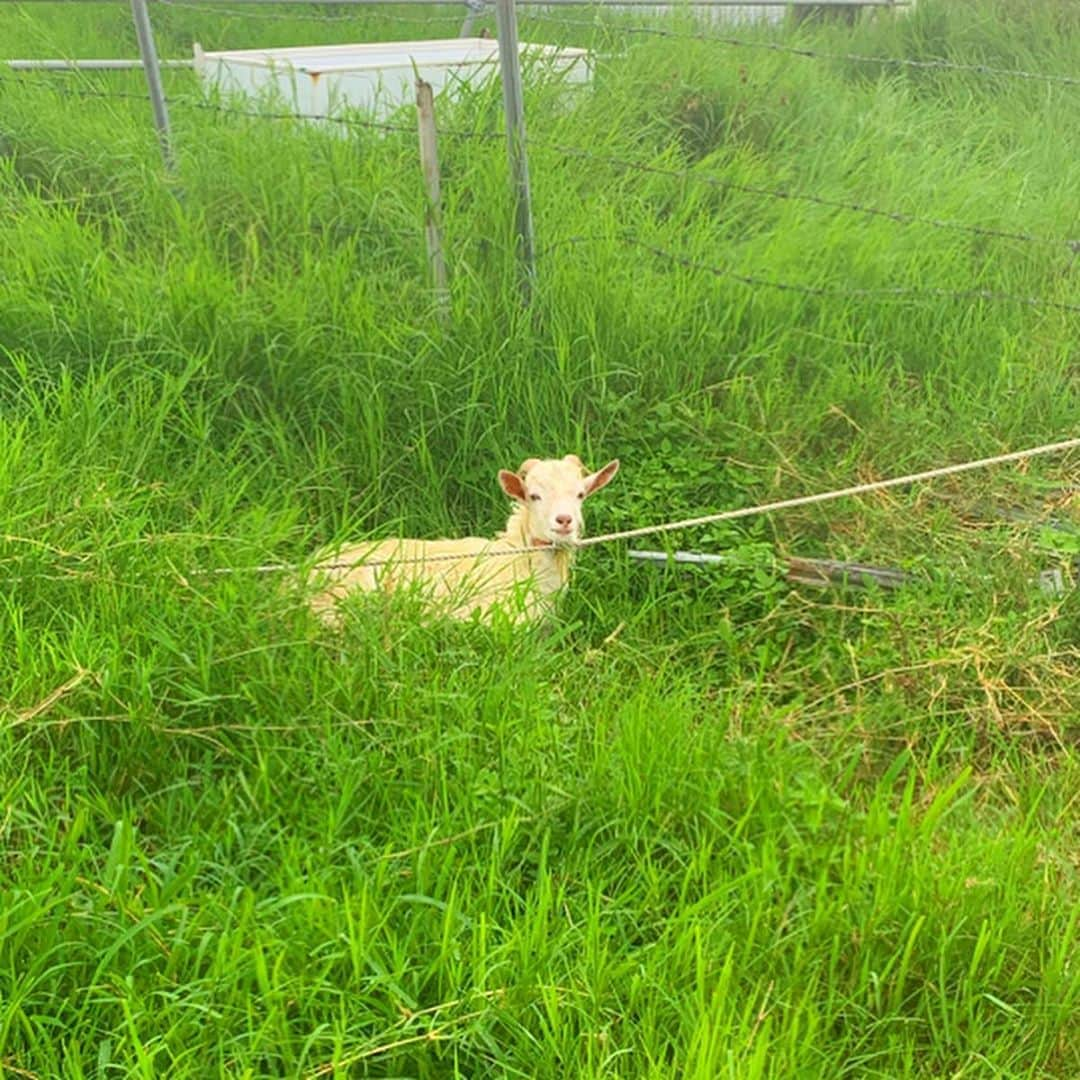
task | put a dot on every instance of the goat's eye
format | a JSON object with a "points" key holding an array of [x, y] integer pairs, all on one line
{"points": [[581, 494], [535, 497]]}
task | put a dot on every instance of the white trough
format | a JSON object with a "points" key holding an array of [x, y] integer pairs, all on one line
{"points": [[376, 77]]}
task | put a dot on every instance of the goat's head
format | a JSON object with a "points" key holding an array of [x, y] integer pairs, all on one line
{"points": [[552, 492]]}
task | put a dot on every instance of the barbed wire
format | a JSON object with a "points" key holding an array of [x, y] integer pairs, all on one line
{"points": [[530, 14], [689, 174], [24, 80], [84, 91], [899, 292], [358, 12], [935, 63], [344, 121], [755, 281], [899, 216]]}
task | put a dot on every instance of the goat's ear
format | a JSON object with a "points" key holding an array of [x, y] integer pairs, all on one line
{"points": [[595, 481], [512, 484]]}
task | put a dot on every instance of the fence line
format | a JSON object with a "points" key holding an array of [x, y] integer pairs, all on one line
{"points": [[322, 16], [806, 52], [898, 293], [899, 216], [936, 64], [690, 174], [80, 91], [215, 107], [88, 65]]}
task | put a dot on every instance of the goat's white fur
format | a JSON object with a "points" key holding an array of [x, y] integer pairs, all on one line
{"points": [[546, 518]]}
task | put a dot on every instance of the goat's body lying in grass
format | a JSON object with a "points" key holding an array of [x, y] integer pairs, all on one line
{"points": [[457, 578]]}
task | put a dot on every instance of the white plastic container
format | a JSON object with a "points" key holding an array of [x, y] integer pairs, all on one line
{"points": [[377, 77]]}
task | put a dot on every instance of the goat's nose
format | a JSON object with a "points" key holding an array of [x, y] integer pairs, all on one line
{"points": [[564, 519]]}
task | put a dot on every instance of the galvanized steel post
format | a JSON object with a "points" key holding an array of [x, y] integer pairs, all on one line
{"points": [[152, 68], [475, 7], [514, 106]]}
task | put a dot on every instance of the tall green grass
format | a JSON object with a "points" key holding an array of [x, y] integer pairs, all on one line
{"points": [[709, 825]]}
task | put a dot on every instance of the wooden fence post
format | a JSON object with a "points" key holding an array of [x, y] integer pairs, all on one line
{"points": [[429, 162]]}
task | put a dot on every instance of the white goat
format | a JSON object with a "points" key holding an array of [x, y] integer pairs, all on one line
{"points": [[460, 577]]}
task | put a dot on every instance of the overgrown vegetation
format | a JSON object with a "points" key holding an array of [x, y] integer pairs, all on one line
{"points": [[712, 824]]}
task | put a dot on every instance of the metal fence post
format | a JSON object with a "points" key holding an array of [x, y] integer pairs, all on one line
{"points": [[152, 68], [514, 106], [475, 8]]}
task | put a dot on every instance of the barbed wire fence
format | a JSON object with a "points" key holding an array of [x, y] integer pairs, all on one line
{"points": [[549, 11], [628, 238], [693, 175], [261, 9]]}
